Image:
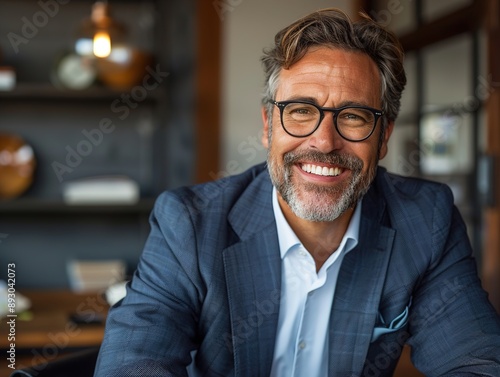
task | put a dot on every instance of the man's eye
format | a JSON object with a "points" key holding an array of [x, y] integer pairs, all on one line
{"points": [[301, 111], [358, 117]]}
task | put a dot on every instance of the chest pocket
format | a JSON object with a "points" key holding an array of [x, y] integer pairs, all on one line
{"points": [[392, 318]]}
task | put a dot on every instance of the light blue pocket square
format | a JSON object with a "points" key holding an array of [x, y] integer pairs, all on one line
{"points": [[396, 324]]}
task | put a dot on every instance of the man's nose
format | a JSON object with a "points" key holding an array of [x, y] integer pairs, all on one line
{"points": [[326, 138]]}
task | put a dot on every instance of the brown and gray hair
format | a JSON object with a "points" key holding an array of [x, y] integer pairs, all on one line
{"points": [[333, 28]]}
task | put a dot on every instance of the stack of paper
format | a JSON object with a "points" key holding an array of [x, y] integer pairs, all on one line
{"points": [[85, 276], [7, 78]]}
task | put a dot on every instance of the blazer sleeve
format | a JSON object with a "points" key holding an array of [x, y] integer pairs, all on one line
{"points": [[454, 329], [152, 331]]}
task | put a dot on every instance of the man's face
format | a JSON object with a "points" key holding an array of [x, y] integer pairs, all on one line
{"points": [[321, 176]]}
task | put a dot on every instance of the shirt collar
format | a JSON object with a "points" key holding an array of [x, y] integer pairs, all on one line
{"points": [[287, 237]]}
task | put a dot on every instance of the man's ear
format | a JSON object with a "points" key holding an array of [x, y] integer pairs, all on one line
{"points": [[265, 122], [387, 135]]}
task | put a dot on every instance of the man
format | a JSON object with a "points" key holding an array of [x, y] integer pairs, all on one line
{"points": [[321, 263]]}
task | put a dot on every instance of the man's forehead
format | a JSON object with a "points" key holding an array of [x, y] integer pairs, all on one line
{"points": [[322, 67]]}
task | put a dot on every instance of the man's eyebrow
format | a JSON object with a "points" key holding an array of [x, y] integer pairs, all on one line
{"points": [[304, 99], [315, 102], [353, 103]]}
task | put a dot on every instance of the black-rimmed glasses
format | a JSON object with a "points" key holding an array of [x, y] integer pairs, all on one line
{"points": [[353, 123]]}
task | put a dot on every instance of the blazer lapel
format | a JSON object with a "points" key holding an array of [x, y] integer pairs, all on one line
{"points": [[253, 275], [358, 291]]}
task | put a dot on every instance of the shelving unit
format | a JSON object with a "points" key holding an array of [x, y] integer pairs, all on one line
{"points": [[37, 207], [48, 92], [153, 142]]}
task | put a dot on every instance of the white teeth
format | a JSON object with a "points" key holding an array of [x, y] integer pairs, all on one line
{"points": [[321, 170]]}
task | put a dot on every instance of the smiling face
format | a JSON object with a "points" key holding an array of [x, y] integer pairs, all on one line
{"points": [[322, 176]]}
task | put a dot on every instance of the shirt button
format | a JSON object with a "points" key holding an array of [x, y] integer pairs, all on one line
{"points": [[302, 253], [302, 345]]}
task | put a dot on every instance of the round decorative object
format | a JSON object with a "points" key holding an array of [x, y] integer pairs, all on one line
{"points": [[17, 166], [75, 72], [124, 68]]}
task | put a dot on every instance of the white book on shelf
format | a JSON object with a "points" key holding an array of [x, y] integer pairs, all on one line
{"points": [[101, 190]]}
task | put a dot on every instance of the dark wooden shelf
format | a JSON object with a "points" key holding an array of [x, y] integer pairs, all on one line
{"points": [[35, 206], [45, 91]]}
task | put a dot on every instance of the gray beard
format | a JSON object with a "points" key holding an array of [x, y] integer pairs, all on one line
{"points": [[314, 208]]}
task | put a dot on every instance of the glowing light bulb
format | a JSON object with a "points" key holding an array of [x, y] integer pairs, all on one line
{"points": [[102, 44]]}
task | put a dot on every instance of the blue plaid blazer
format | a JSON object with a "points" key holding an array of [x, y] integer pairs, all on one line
{"points": [[204, 300]]}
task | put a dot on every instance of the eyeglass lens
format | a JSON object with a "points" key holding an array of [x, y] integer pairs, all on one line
{"points": [[301, 119]]}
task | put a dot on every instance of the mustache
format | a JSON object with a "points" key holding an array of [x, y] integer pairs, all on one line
{"points": [[343, 160]]}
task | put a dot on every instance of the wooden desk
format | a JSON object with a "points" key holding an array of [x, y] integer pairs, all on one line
{"points": [[50, 322], [50, 333], [405, 367]]}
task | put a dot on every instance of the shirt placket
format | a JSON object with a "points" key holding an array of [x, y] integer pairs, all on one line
{"points": [[307, 271]]}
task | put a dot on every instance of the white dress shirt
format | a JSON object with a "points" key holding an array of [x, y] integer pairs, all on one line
{"points": [[301, 347]]}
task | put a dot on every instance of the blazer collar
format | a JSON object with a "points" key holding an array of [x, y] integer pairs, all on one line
{"points": [[253, 275], [253, 211]]}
